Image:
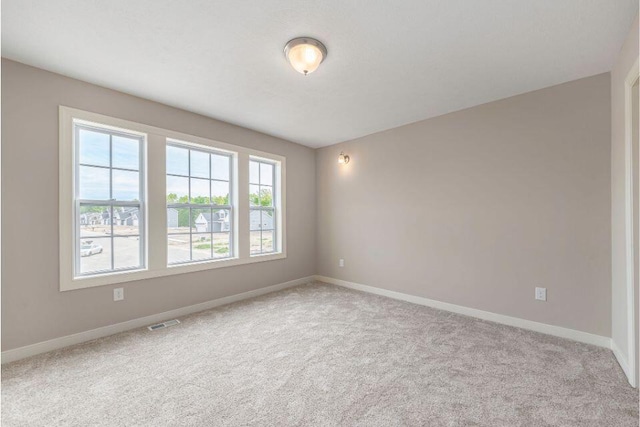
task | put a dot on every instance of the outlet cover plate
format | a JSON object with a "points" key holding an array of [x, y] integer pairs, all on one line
{"points": [[118, 294], [541, 294]]}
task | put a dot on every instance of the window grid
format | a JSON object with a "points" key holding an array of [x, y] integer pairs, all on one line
{"points": [[108, 204], [262, 209], [211, 207]]}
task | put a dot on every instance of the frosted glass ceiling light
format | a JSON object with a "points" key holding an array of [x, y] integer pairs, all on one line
{"points": [[305, 54]]}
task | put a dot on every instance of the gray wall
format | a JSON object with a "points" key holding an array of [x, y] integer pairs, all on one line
{"points": [[478, 207], [626, 58], [33, 308], [473, 208]]}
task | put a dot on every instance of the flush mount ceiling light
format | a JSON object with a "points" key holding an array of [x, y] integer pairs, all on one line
{"points": [[305, 54]]}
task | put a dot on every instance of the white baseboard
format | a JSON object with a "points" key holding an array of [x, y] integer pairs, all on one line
{"points": [[623, 362], [56, 343], [544, 328]]}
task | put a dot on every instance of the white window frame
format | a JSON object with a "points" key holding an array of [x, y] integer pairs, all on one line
{"points": [[275, 197], [155, 227], [111, 203], [231, 207]]}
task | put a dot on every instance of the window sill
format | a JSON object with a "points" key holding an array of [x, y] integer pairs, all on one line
{"points": [[130, 276]]}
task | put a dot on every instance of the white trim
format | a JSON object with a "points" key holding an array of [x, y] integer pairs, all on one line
{"points": [[622, 360], [57, 343], [544, 328], [630, 186], [156, 230]]}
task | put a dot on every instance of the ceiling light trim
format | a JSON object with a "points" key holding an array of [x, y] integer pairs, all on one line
{"points": [[305, 41]]}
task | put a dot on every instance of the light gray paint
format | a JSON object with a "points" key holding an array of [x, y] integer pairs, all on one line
{"points": [[389, 62], [481, 206], [33, 308], [478, 207], [626, 58]]}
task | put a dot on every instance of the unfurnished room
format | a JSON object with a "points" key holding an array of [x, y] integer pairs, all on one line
{"points": [[320, 213]]}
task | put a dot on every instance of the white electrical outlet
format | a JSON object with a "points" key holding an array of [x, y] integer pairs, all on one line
{"points": [[118, 294], [541, 294], [341, 263]]}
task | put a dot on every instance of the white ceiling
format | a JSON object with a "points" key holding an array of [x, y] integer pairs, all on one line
{"points": [[389, 62]]}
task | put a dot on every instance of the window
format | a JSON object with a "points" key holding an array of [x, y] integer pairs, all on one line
{"points": [[199, 205], [139, 201], [262, 215], [109, 194]]}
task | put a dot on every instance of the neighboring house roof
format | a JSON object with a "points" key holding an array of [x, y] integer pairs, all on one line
{"points": [[126, 213], [206, 216]]}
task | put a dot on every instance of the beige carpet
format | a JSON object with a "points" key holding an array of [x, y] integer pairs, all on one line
{"points": [[326, 356]]}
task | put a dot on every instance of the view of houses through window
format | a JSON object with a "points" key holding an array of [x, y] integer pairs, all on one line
{"points": [[262, 207], [108, 229], [199, 206], [108, 201]]}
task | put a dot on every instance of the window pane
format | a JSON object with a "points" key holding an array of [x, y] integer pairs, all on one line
{"points": [[200, 191], [94, 221], [220, 167], [220, 192], [95, 255], [93, 183], [266, 174], [254, 172], [254, 242], [126, 185], [178, 248], [262, 222], [201, 243], [126, 251], [267, 220], [266, 196], [208, 183], [221, 220], [254, 195], [178, 220], [199, 164], [177, 189], [177, 160], [126, 153], [201, 220], [93, 148], [221, 245], [254, 220], [126, 220], [267, 241], [108, 169]]}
